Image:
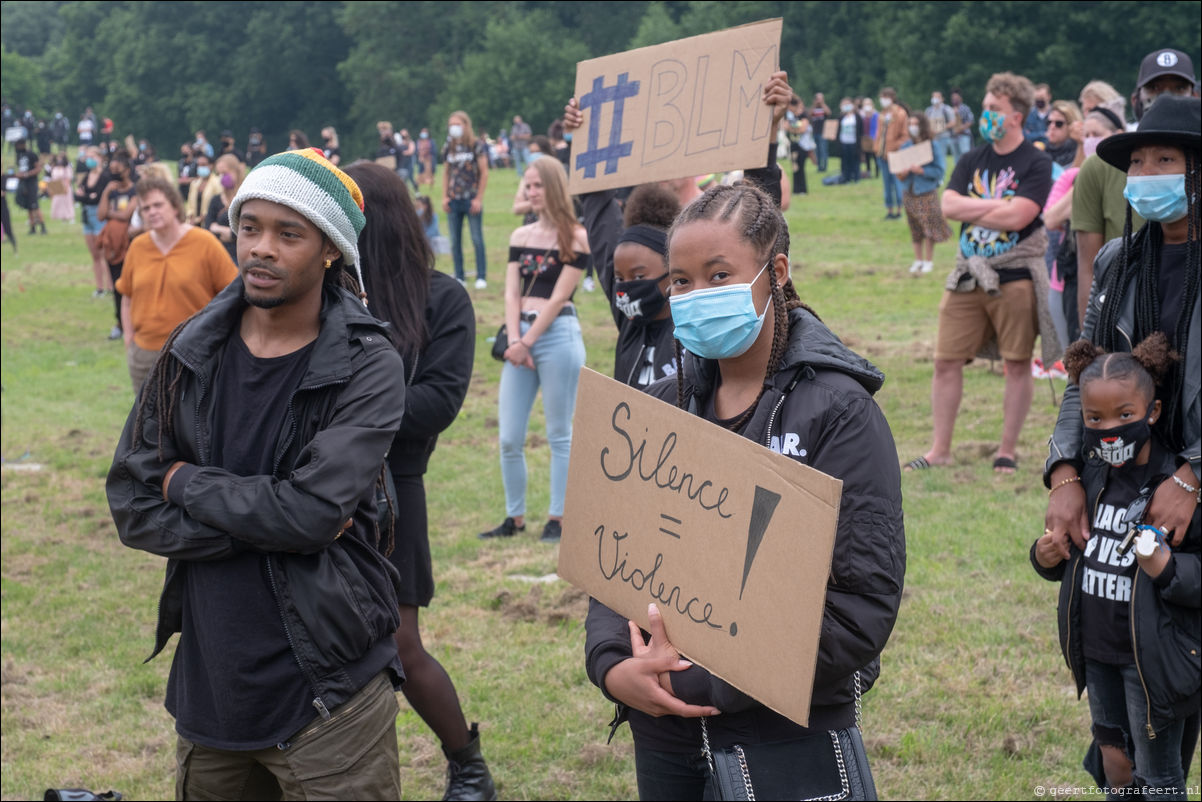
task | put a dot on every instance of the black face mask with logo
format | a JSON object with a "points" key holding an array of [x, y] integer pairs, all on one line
{"points": [[1119, 445], [641, 299]]}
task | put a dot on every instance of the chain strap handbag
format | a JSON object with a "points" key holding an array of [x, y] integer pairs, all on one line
{"points": [[825, 766], [500, 343]]}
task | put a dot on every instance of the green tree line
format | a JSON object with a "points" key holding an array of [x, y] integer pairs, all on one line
{"points": [[164, 69]]}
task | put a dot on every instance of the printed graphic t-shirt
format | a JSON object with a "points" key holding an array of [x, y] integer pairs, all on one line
{"points": [[1025, 172], [463, 168], [1106, 578]]}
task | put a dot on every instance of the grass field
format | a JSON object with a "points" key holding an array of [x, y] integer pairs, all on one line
{"points": [[974, 700]]}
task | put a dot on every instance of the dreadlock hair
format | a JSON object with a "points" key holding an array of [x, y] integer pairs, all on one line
{"points": [[759, 223], [1139, 260], [1148, 364]]}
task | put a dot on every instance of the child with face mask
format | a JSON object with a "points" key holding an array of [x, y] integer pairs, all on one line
{"points": [[1129, 612]]}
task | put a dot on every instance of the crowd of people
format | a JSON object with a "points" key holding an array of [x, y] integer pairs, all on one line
{"points": [[276, 450]]}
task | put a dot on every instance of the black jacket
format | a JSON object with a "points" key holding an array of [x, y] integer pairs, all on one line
{"points": [[1065, 442], [1166, 622], [818, 410], [437, 380], [336, 594]]}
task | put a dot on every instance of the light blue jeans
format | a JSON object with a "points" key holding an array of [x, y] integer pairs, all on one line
{"points": [[461, 208], [892, 185], [558, 357]]}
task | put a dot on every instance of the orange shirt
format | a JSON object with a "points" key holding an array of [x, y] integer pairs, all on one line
{"points": [[165, 289]]}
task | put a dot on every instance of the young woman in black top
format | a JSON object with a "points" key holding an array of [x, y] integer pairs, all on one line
{"points": [[434, 328], [91, 185], [547, 259]]}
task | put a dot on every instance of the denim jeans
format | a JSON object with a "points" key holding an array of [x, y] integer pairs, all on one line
{"points": [[849, 161], [558, 357], [1118, 707], [961, 144], [823, 150], [892, 186], [461, 208]]}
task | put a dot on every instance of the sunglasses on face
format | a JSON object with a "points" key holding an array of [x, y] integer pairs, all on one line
{"points": [[1057, 123]]}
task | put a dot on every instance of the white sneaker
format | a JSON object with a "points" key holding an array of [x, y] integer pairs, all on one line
{"points": [[914, 268], [927, 267], [589, 284], [481, 284], [462, 283]]}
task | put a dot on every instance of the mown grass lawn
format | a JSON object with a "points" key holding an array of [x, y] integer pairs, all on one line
{"points": [[974, 699]]}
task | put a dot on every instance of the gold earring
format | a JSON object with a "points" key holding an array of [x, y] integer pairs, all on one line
{"points": [[329, 263]]}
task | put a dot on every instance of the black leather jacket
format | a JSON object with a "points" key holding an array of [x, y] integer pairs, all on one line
{"points": [[336, 593], [1065, 442]]}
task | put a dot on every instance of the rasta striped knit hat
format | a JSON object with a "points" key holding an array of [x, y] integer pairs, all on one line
{"points": [[304, 180]]}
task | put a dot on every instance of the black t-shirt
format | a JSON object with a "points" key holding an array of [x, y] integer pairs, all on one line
{"points": [[89, 194], [1171, 281], [26, 161], [1025, 172], [1107, 577], [234, 682]]}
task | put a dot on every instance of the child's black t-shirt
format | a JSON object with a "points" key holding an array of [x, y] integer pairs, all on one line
{"points": [[1107, 577]]}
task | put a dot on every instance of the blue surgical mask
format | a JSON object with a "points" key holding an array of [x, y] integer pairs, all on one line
{"points": [[992, 126], [719, 322], [90, 163], [567, 137], [203, 171], [1157, 197]]}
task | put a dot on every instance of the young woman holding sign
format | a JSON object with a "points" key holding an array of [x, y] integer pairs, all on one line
{"points": [[762, 364]]}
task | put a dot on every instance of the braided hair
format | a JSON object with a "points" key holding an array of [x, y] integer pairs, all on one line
{"points": [[760, 224], [1139, 260], [1148, 364]]}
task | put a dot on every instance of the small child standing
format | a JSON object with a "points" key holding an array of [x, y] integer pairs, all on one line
{"points": [[920, 199], [1129, 618]]}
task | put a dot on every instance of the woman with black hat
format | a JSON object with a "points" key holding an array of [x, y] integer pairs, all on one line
{"points": [[1143, 283]]}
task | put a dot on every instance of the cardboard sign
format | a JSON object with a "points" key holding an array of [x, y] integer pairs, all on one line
{"points": [[830, 130], [687, 107], [731, 540], [56, 186], [900, 161]]}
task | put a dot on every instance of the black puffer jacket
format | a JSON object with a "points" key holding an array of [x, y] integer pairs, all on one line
{"points": [[336, 594], [818, 410], [1165, 615]]}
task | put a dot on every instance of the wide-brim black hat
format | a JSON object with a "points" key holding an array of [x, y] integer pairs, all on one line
{"points": [[1171, 120]]}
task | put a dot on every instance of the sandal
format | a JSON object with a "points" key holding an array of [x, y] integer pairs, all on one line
{"points": [[917, 464], [1005, 465]]}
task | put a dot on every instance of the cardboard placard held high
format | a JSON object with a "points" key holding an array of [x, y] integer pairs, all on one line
{"points": [[731, 540], [687, 107]]}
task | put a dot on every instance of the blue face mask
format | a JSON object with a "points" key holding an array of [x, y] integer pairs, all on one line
{"points": [[719, 322], [1157, 197], [992, 126], [90, 163], [202, 171]]}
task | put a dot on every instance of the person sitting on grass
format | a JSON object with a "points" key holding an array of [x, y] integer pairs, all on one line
{"points": [[1127, 615]]}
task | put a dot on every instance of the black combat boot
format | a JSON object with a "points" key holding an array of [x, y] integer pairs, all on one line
{"points": [[467, 773]]}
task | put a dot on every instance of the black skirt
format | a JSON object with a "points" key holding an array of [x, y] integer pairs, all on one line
{"points": [[411, 554]]}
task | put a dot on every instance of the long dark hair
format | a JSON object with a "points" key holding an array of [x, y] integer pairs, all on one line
{"points": [[1139, 259], [395, 257]]}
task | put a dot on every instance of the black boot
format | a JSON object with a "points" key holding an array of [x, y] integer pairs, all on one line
{"points": [[467, 773]]}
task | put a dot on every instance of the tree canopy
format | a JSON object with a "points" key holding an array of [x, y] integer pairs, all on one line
{"points": [[162, 70]]}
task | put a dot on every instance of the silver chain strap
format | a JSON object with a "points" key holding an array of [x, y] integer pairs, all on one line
{"points": [[746, 773], [705, 745], [859, 710]]}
